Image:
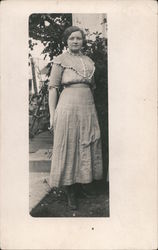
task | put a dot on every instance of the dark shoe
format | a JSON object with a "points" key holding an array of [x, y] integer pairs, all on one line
{"points": [[72, 201], [88, 190]]}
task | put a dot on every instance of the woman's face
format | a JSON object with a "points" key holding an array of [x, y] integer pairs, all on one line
{"points": [[75, 41]]}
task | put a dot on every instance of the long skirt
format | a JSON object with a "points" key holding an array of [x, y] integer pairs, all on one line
{"points": [[77, 152]]}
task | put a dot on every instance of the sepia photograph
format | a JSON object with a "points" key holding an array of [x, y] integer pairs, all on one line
{"points": [[78, 98], [68, 115]]}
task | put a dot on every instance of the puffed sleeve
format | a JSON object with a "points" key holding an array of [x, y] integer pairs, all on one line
{"points": [[56, 74]]}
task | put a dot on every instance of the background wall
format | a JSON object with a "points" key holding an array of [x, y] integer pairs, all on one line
{"points": [[94, 22]]}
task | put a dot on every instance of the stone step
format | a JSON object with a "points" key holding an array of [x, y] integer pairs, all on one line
{"points": [[38, 187], [40, 161]]}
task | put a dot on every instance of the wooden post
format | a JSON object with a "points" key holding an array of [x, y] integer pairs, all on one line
{"points": [[33, 75]]}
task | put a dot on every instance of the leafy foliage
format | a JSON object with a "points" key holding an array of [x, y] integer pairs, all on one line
{"points": [[48, 28]]}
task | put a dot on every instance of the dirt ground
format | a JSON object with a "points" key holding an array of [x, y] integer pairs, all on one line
{"points": [[54, 204]]}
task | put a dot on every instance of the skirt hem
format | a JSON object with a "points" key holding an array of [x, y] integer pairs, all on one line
{"points": [[75, 182]]}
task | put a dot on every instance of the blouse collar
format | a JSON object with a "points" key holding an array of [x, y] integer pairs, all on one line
{"points": [[74, 54]]}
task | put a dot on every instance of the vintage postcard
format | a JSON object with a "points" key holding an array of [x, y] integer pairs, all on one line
{"points": [[78, 125]]}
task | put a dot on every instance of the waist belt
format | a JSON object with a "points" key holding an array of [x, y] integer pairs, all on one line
{"points": [[77, 84]]}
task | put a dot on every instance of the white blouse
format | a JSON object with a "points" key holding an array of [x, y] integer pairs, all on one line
{"points": [[68, 69]]}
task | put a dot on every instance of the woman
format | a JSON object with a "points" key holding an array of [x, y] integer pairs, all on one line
{"points": [[77, 156]]}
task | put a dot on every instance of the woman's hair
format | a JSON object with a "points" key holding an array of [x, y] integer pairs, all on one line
{"points": [[70, 30]]}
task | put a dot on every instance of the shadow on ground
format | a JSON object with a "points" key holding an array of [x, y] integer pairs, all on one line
{"points": [[54, 204]]}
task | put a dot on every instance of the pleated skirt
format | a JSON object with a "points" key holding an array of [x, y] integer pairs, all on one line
{"points": [[77, 151]]}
